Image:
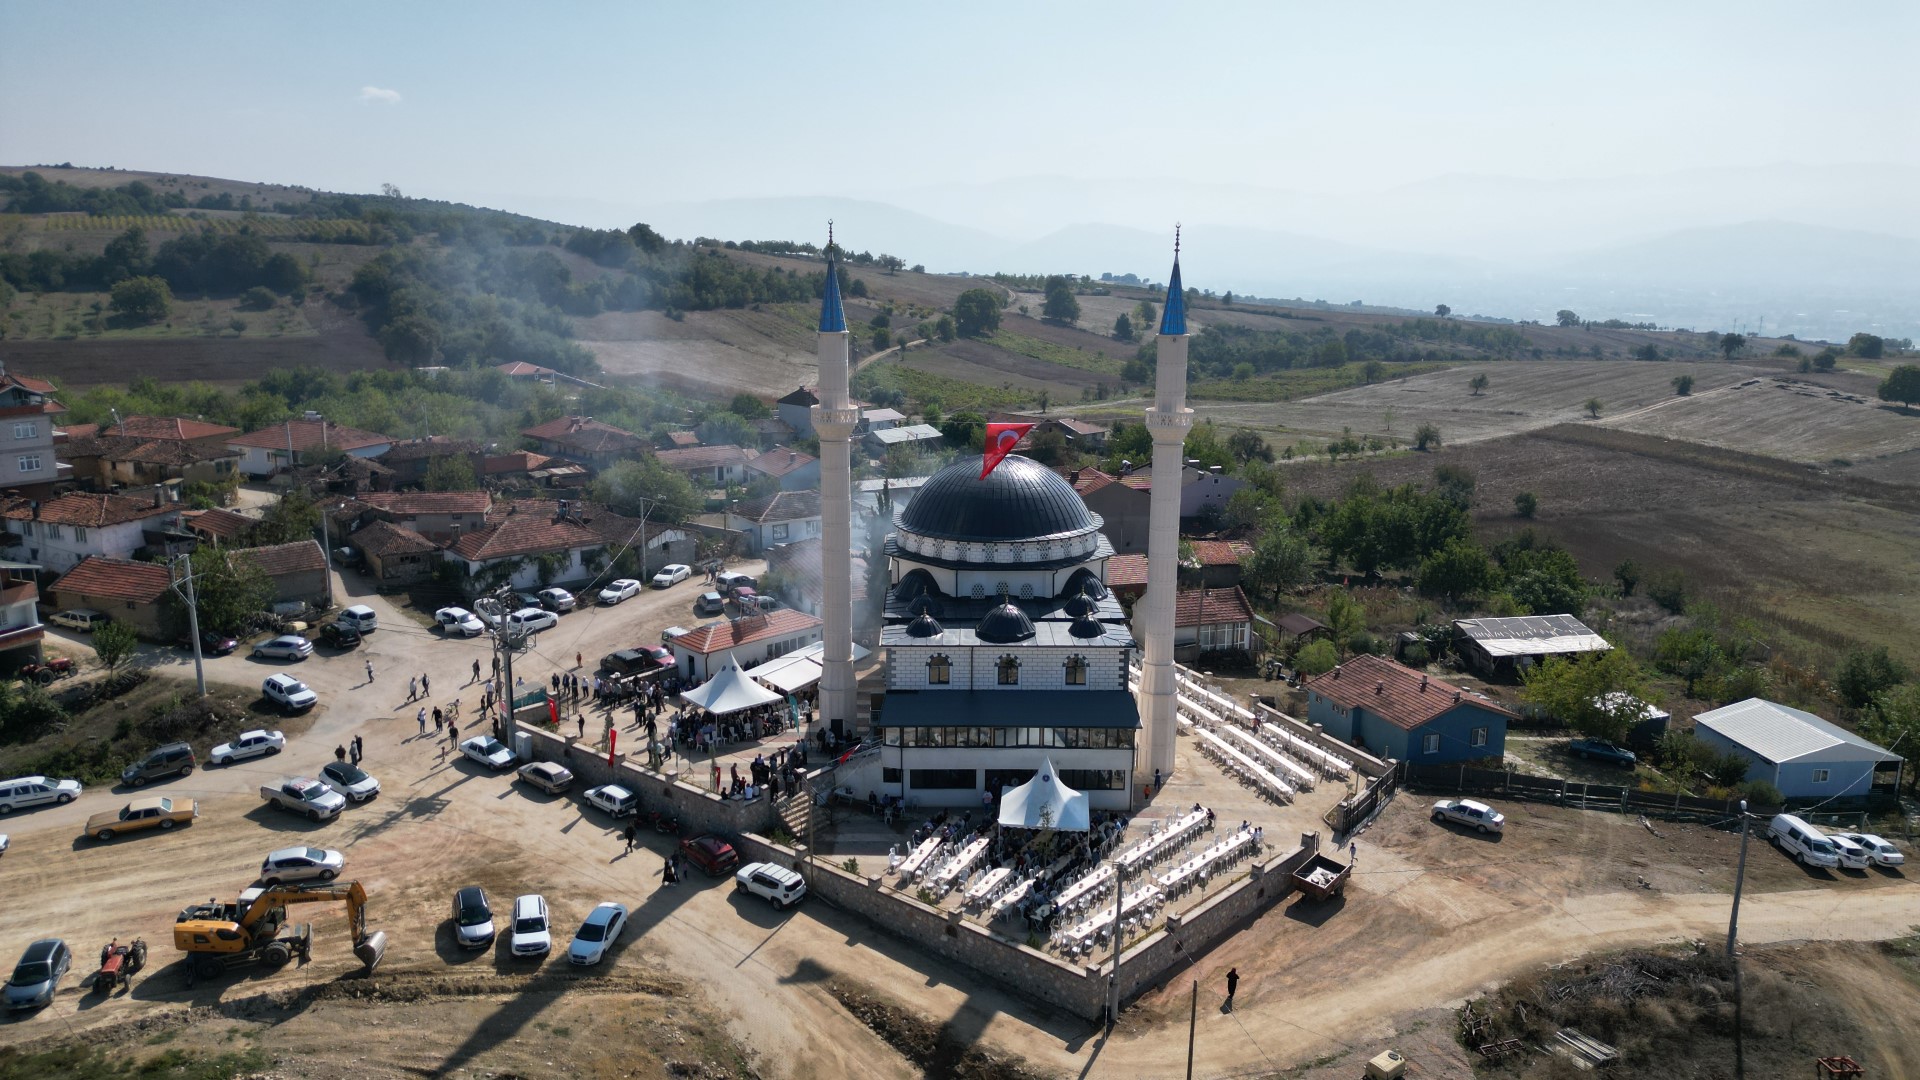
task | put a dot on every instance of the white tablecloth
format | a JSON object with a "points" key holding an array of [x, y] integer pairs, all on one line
{"points": [[1094, 881], [964, 863], [920, 856], [988, 883], [1103, 918]]}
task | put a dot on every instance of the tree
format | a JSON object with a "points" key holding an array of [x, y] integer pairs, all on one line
{"points": [[1455, 484], [1123, 328], [1646, 352], [725, 428], [1825, 359], [1426, 437], [450, 473], [113, 643], [1867, 346], [1566, 318], [294, 517], [1043, 399], [975, 313], [1145, 316], [1894, 719], [1902, 385], [126, 256], [1683, 385], [965, 431], [1316, 658], [882, 338], [1345, 617], [643, 485], [1459, 569], [748, 407], [1442, 310], [1061, 305], [1281, 560], [1866, 673], [1628, 575], [1593, 408], [412, 340], [1227, 300], [891, 264], [1597, 695], [142, 300], [1526, 504], [1545, 581], [1668, 588], [1048, 447], [258, 298], [1478, 383], [1732, 344], [230, 589], [1245, 444]]}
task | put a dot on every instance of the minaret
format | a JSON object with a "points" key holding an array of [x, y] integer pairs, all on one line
{"points": [[1167, 421], [834, 419]]}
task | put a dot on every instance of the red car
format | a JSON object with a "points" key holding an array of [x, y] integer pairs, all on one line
{"points": [[711, 854]]}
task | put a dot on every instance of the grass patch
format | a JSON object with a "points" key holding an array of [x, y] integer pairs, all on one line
{"points": [[922, 387], [81, 1062], [1298, 383], [97, 741], [1064, 355], [66, 316]]}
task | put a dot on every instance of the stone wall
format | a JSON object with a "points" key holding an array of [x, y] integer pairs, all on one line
{"points": [[699, 811], [1363, 762]]}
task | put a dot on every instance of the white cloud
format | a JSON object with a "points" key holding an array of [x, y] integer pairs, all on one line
{"points": [[379, 95]]}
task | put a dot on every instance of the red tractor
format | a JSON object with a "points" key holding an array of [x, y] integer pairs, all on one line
{"points": [[57, 668], [118, 963]]}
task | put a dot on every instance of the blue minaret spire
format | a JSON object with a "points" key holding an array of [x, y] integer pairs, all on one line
{"points": [[833, 320], [1173, 320]]}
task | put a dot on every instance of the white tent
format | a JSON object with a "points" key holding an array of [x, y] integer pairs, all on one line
{"points": [[1044, 802], [800, 668], [729, 691]]}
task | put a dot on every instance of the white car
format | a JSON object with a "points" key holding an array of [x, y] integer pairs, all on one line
{"points": [[289, 693], [772, 882], [1852, 856], [531, 620], [1475, 815], [487, 750], [295, 864], [557, 599], [250, 744], [458, 620], [548, 777], [621, 589], [672, 574], [286, 647], [28, 791], [350, 780], [532, 930], [597, 934], [614, 799], [1878, 850]]}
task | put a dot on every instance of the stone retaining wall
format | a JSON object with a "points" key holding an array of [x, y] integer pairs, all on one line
{"points": [[699, 811]]}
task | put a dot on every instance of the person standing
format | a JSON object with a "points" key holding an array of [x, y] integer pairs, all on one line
{"points": [[340, 753], [1233, 985], [359, 750], [476, 673], [369, 670], [426, 685], [453, 736], [577, 661], [413, 688], [423, 721], [629, 835], [437, 718]]}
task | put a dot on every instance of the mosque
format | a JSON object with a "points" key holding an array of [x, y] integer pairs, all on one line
{"points": [[1004, 647]]}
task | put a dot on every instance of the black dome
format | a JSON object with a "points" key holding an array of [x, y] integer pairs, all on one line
{"points": [[1086, 626], [1085, 581], [924, 625], [1021, 500], [1003, 625], [1081, 606], [914, 584]]}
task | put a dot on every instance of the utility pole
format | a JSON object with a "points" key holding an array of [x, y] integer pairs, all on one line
{"points": [[1113, 980], [326, 551], [1739, 879], [193, 612], [1193, 1020], [1733, 930]]}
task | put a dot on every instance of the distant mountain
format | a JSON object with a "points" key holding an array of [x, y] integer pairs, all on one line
{"points": [[1774, 255]]}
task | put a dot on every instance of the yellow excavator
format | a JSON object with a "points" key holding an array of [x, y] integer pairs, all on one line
{"points": [[217, 936]]}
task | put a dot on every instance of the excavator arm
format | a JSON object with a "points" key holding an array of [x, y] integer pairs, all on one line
{"points": [[261, 913]]}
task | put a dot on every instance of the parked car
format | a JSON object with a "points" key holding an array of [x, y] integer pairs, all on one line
{"points": [[1808, 845], [746, 599], [350, 780], [532, 930], [304, 796], [547, 776], [526, 600], [597, 934], [488, 751], [1852, 856], [173, 759], [349, 557], [614, 799], [626, 661], [36, 978], [672, 574], [472, 918], [340, 635], [360, 617], [141, 814], [85, 620], [25, 791], [1476, 815], [671, 632], [285, 647], [768, 603], [296, 864], [727, 581], [249, 744], [711, 854], [1880, 851], [772, 882], [1602, 750], [458, 621], [289, 693], [212, 644], [709, 603], [531, 620], [555, 598], [618, 590], [659, 654]]}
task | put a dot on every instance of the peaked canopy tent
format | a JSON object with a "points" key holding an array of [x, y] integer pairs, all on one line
{"points": [[1044, 803], [799, 669], [729, 691]]}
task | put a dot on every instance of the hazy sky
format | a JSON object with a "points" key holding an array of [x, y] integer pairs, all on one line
{"points": [[645, 103]]}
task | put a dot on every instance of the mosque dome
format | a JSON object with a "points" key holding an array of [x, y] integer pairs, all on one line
{"points": [[1021, 500], [1004, 625], [1086, 626], [924, 626]]}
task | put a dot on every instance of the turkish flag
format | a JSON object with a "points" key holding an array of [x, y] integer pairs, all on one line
{"points": [[613, 740], [553, 711], [1001, 439]]}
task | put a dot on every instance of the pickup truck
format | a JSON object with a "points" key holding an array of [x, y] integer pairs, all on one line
{"points": [[304, 795]]}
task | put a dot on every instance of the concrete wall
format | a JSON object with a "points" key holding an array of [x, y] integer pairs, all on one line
{"points": [[699, 810]]}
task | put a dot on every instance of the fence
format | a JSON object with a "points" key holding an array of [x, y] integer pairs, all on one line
{"points": [[1511, 785], [1348, 815]]}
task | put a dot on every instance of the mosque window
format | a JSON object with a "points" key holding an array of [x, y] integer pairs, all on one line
{"points": [[939, 671], [1076, 671], [1009, 671], [1026, 592], [979, 591]]}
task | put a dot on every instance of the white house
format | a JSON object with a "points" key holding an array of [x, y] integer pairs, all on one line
{"points": [[269, 450], [60, 533], [528, 543], [780, 518], [750, 639], [27, 413], [1799, 753]]}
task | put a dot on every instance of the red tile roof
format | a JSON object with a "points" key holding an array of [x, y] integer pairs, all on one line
{"points": [[1220, 552], [682, 440], [1081, 427], [719, 637], [433, 446], [219, 523], [520, 369], [533, 527], [703, 457], [90, 511], [1397, 694], [310, 435], [429, 502], [79, 431], [780, 461], [177, 428], [384, 538], [27, 383], [779, 506], [1207, 607], [518, 461], [145, 451], [585, 435], [1138, 481], [1086, 481], [121, 579], [1126, 570], [278, 560]]}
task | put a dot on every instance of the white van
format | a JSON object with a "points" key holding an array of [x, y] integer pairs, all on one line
{"points": [[359, 617], [1805, 843]]}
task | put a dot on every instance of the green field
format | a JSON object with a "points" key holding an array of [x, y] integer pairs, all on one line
{"points": [[1064, 355], [67, 316]]}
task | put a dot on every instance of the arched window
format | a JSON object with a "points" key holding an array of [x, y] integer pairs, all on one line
{"points": [[979, 591], [1009, 671], [1026, 592], [939, 671], [1076, 671]]}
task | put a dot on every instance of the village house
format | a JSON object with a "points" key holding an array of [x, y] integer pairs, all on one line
{"points": [[1392, 711], [411, 459], [1802, 755], [218, 526], [879, 419], [100, 462], [1215, 563], [748, 640], [885, 495], [60, 533], [1122, 507], [298, 570], [1127, 576], [395, 556], [1503, 648], [27, 411], [172, 429], [586, 441], [1202, 491], [123, 590], [679, 440], [20, 629], [440, 516], [796, 410], [708, 466], [780, 518], [793, 470], [920, 437], [272, 449], [1208, 620], [531, 543]]}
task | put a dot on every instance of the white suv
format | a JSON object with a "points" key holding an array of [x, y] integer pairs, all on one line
{"points": [[531, 620], [36, 791], [778, 885], [532, 931], [289, 693]]}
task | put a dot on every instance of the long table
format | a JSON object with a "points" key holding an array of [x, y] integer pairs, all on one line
{"points": [[1103, 917], [1202, 862], [918, 859], [963, 863], [1172, 836]]}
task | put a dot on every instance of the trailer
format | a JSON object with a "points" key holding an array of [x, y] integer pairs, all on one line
{"points": [[1321, 877]]}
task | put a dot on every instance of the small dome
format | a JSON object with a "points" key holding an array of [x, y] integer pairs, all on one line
{"points": [[1085, 581], [1081, 606], [1086, 626], [924, 626], [924, 605], [1020, 500], [915, 583], [1004, 625]]}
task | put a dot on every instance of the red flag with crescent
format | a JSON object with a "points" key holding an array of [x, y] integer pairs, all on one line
{"points": [[1001, 439]]}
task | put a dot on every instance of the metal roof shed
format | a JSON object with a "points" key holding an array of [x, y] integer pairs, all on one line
{"points": [[1795, 751], [1503, 646]]}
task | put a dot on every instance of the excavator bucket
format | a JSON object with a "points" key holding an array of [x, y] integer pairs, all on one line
{"points": [[371, 949]]}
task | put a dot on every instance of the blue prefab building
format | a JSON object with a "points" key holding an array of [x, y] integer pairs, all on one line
{"points": [[1396, 712], [1799, 753]]}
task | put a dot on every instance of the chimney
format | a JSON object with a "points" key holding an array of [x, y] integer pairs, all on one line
{"points": [[159, 496], [1456, 696], [36, 509], [792, 456], [1336, 671], [1423, 684], [1380, 687]]}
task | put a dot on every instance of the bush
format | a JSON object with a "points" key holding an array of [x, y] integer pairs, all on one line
{"points": [[258, 298], [1761, 793], [1316, 658], [1668, 588], [1526, 504], [1415, 655]]}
